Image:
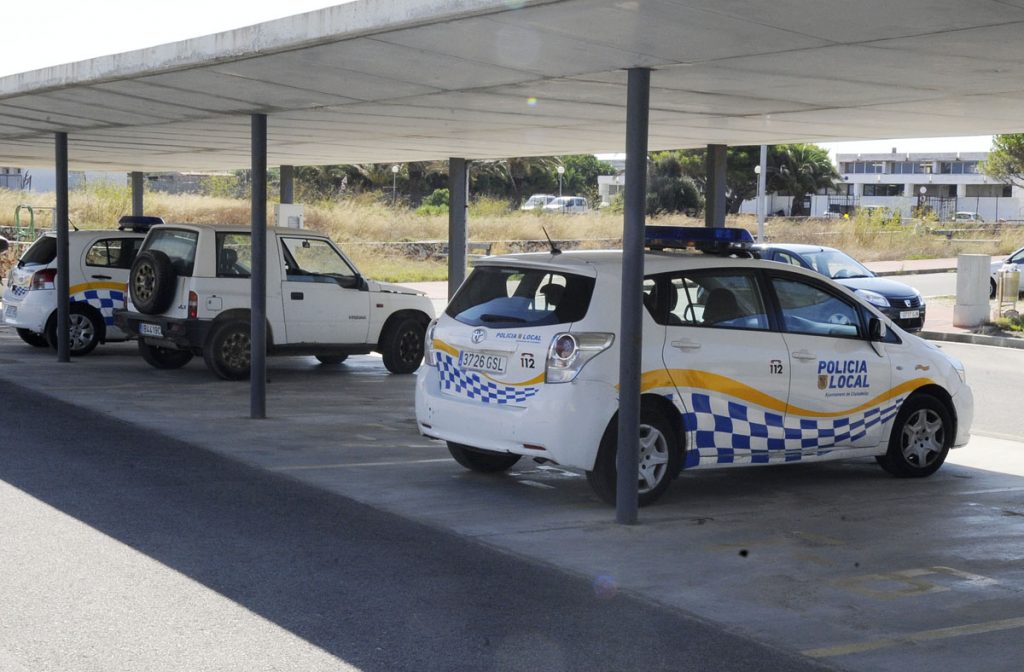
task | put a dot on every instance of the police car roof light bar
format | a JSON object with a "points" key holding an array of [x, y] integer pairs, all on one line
{"points": [[704, 239], [138, 223]]}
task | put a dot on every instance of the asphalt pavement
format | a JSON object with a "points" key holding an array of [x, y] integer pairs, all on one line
{"points": [[350, 586]]}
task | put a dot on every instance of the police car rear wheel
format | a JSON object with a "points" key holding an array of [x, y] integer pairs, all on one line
{"points": [[85, 328], [32, 338], [164, 358], [483, 461], [920, 439], [659, 459]]}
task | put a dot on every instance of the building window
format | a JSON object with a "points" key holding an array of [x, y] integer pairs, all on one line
{"points": [[883, 189]]}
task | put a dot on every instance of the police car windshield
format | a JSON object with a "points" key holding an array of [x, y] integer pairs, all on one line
{"points": [[505, 297], [837, 265]]}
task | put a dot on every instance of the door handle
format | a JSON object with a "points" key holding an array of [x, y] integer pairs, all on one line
{"points": [[686, 345], [297, 296], [100, 277], [804, 355]]}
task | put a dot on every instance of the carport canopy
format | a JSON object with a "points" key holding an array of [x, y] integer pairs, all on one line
{"points": [[410, 80], [406, 80]]}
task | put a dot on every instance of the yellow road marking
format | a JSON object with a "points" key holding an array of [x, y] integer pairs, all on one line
{"points": [[915, 637]]}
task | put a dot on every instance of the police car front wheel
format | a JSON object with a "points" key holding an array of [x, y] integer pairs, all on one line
{"points": [[658, 460], [920, 439]]}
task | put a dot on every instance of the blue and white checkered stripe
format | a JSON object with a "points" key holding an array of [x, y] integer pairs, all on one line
{"points": [[19, 291], [472, 385], [725, 432], [103, 300]]}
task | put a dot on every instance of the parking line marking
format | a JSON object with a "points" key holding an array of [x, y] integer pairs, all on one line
{"points": [[535, 484], [916, 637], [345, 465]]}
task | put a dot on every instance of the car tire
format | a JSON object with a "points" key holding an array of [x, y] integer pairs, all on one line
{"points": [[85, 329], [659, 459], [228, 350], [34, 339], [152, 282], [331, 360], [164, 358], [991, 288], [920, 440], [402, 345], [483, 461]]}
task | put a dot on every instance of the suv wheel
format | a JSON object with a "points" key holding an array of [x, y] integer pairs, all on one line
{"points": [[402, 345], [164, 358], [228, 351], [151, 282], [32, 338], [84, 330]]}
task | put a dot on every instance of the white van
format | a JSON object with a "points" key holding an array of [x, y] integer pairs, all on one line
{"points": [[744, 362]]}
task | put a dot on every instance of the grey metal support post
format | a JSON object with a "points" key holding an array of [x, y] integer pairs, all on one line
{"points": [[258, 340], [762, 180], [628, 457], [714, 198], [458, 231], [287, 184], [63, 260], [138, 209]]}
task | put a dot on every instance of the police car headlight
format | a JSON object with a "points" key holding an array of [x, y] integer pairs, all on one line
{"points": [[429, 353], [874, 298], [569, 353]]}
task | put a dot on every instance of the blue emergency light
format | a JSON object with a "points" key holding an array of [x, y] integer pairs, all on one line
{"points": [[704, 239]]}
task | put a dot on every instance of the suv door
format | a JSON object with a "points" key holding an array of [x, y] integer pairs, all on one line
{"points": [[730, 368], [324, 298], [840, 388]]}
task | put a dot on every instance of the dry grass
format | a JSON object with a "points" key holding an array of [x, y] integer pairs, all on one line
{"points": [[364, 219]]}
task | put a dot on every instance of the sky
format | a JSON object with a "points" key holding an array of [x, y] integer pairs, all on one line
{"points": [[41, 34]]}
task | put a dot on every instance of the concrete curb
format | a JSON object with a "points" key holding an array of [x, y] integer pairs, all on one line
{"points": [[921, 271], [976, 339]]}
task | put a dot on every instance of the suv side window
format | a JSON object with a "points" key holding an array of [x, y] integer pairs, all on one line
{"points": [[719, 299], [810, 309], [314, 260], [234, 255], [113, 252]]}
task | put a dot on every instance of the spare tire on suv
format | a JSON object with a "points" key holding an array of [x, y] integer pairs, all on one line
{"points": [[152, 282]]}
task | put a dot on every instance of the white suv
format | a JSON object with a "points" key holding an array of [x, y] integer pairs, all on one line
{"points": [[744, 362], [190, 295], [99, 265]]}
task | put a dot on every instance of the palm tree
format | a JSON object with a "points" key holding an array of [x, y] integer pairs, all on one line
{"points": [[515, 171], [799, 170]]}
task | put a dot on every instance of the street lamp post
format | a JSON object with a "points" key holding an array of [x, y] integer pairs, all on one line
{"points": [[561, 171], [394, 184]]}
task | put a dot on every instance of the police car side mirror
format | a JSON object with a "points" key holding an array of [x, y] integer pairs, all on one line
{"points": [[876, 329]]}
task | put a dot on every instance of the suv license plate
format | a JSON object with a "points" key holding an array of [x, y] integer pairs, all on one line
{"points": [[151, 330], [909, 314], [475, 361]]}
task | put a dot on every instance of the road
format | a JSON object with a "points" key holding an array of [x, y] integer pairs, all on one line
{"points": [[930, 284], [126, 550], [994, 377]]}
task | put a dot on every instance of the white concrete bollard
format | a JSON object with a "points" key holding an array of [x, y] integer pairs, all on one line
{"points": [[972, 275]]}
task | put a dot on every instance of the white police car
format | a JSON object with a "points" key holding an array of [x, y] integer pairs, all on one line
{"points": [[99, 263], [744, 362]]}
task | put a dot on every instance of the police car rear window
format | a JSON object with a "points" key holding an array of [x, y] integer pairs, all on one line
{"points": [[508, 297], [43, 251]]}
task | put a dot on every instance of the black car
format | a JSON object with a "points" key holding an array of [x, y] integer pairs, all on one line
{"points": [[903, 304]]}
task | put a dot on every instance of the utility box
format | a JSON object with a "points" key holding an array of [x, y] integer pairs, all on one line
{"points": [[289, 215], [972, 286]]}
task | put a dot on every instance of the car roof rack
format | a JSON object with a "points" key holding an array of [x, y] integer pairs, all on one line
{"points": [[138, 223], [701, 238]]}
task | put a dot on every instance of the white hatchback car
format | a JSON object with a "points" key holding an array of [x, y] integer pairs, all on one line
{"points": [[99, 265], [744, 362]]}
